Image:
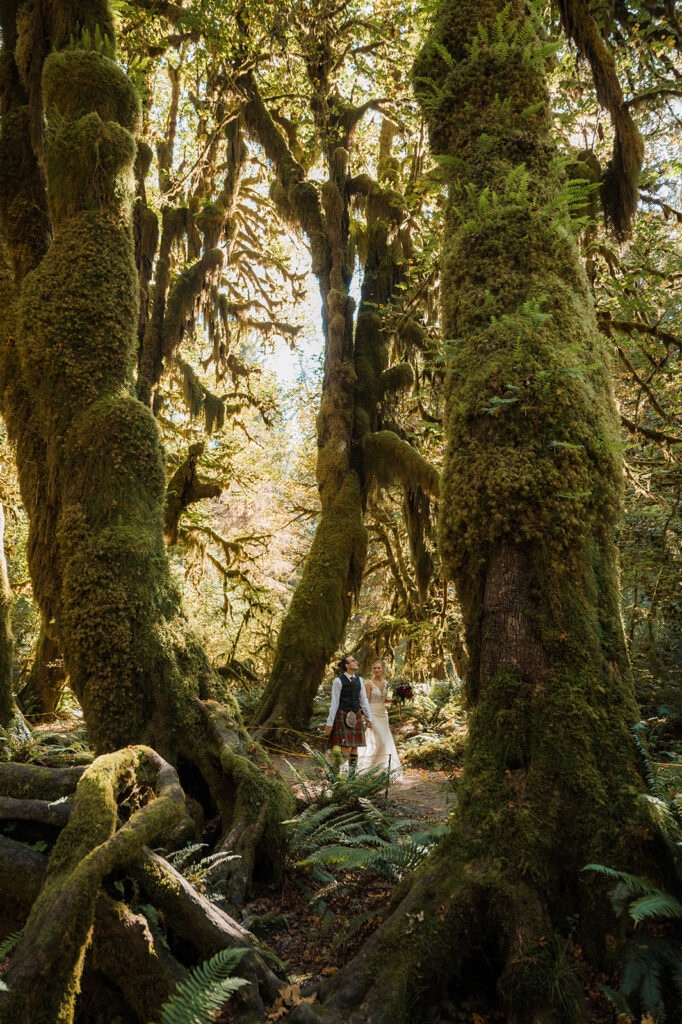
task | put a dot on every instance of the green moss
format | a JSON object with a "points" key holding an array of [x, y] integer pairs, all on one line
{"points": [[397, 378], [530, 495], [80, 82], [389, 459], [59, 928]]}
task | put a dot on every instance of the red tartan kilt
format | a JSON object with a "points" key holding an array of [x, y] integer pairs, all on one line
{"points": [[342, 736]]}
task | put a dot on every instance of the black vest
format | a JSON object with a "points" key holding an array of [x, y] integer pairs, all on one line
{"points": [[350, 693]]}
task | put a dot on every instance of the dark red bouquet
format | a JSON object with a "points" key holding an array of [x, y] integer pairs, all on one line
{"points": [[403, 691]]}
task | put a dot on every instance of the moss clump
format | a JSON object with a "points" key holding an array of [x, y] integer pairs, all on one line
{"points": [[80, 82], [390, 459], [397, 378]]}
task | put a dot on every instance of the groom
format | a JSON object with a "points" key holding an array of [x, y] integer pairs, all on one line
{"points": [[344, 726]]}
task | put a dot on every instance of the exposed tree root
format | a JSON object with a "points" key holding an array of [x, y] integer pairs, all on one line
{"points": [[253, 800], [193, 919], [77, 936], [457, 932], [131, 958], [33, 782], [43, 976], [35, 810], [21, 875]]}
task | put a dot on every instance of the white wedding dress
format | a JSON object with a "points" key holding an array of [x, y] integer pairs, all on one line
{"points": [[379, 741]]}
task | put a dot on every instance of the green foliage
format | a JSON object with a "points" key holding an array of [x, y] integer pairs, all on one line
{"points": [[149, 911], [8, 943], [208, 987], [652, 966], [342, 828], [96, 40]]}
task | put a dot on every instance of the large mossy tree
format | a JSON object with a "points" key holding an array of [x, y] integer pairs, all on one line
{"points": [[89, 455], [529, 502]]}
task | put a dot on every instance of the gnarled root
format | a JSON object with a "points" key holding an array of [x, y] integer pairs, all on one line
{"points": [[194, 920], [44, 974], [253, 800], [76, 934]]}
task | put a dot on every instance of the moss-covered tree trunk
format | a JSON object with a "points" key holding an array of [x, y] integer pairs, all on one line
{"points": [[96, 505], [46, 680], [352, 449], [12, 726], [530, 497]]}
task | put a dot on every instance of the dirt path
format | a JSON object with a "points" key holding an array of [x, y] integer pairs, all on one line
{"points": [[419, 794]]}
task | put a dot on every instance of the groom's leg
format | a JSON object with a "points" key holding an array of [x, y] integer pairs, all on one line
{"points": [[352, 762]]}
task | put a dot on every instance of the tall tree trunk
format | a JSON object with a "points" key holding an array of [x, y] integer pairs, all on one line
{"points": [[97, 503], [351, 447], [46, 680], [332, 572], [13, 729], [531, 490]]}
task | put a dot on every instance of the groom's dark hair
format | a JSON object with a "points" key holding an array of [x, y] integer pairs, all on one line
{"points": [[342, 663]]}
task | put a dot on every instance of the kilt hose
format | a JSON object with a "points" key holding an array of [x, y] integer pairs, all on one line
{"points": [[342, 736]]}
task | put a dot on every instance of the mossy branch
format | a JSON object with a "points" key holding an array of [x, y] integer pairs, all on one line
{"points": [[390, 460], [185, 489], [620, 187]]}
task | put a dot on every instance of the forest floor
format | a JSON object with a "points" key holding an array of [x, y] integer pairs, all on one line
{"points": [[315, 935]]}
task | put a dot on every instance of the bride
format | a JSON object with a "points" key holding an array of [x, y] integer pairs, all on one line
{"points": [[380, 744]]}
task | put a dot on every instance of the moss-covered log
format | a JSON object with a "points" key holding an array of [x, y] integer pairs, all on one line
{"points": [[529, 500], [96, 502]]}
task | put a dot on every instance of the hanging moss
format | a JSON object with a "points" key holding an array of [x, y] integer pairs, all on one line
{"points": [[398, 377], [390, 459]]}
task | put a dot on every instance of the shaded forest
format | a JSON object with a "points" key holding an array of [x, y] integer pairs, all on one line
{"points": [[335, 327]]}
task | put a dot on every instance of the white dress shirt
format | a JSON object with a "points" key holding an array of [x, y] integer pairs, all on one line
{"points": [[336, 696]]}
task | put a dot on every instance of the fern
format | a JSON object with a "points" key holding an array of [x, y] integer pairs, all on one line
{"points": [[8, 944], [655, 904], [209, 985], [650, 962], [446, 56], [179, 858], [368, 852], [152, 915]]}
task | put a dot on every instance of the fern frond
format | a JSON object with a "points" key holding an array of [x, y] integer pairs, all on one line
{"points": [[209, 985], [180, 857], [446, 56], [8, 944], [152, 915], [655, 904]]}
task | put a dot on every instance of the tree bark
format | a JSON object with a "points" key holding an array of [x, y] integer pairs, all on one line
{"points": [[332, 572], [529, 499], [46, 680], [355, 365]]}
